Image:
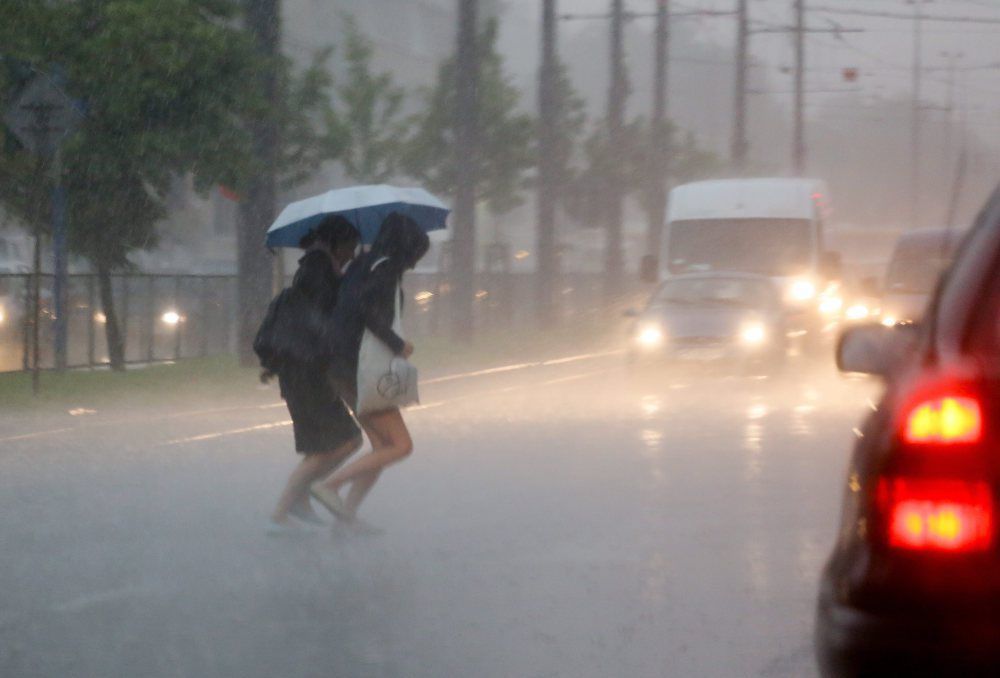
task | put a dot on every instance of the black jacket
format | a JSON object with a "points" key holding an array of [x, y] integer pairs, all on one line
{"points": [[365, 301], [298, 327]]}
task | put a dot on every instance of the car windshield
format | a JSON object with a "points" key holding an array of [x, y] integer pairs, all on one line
{"points": [[714, 291], [765, 246]]}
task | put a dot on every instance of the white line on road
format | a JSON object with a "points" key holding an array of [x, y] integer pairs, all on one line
{"points": [[222, 434]]}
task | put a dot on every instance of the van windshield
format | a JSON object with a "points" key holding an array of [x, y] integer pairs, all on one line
{"points": [[765, 246]]}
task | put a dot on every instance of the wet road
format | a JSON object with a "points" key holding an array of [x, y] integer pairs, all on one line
{"points": [[568, 519]]}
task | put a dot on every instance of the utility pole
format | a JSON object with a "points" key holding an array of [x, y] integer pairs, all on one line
{"points": [[258, 207], [548, 193], [661, 142], [915, 151], [617, 94], [739, 148], [799, 134], [467, 161]]}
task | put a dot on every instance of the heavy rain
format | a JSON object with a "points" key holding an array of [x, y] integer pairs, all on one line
{"points": [[498, 338]]}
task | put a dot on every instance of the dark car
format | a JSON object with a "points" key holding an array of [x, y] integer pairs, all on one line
{"points": [[710, 317], [913, 584]]}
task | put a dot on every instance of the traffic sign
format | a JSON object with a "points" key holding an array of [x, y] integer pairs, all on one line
{"points": [[42, 116]]}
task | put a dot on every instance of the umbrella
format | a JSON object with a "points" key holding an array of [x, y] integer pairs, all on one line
{"points": [[364, 206]]}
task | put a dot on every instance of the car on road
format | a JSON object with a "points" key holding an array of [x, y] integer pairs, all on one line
{"points": [[917, 262], [712, 317], [767, 226], [912, 586]]}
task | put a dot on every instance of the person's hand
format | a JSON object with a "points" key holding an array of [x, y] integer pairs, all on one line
{"points": [[407, 349]]}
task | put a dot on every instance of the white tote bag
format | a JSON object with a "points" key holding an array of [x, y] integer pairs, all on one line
{"points": [[385, 380]]}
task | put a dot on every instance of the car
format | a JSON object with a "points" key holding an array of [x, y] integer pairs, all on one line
{"points": [[912, 586], [917, 261], [711, 317]]}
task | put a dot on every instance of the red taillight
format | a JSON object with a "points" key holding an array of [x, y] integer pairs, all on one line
{"points": [[940, 515], [944, 420]]}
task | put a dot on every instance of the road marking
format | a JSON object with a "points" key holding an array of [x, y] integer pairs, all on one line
{"points": [[220, 410], [99, 597], [522, 366], [36, 434], [222, 434]]}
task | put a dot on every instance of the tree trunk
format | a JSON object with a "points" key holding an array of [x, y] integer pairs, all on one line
{"points": [[116, 343], [258, 206]]}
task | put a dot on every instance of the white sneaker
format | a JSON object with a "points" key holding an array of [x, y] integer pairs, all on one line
{"points": [[331, 500]]}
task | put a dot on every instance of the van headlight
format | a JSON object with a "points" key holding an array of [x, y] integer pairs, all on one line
{"points": [[753, 334], [857, 312], [650, 336], [802, 290]]}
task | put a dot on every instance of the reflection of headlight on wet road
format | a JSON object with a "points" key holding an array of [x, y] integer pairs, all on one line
{"points": [[802, 290], [856, 312], [831, 305], [753, 334], [171, 317], [650, 336]]}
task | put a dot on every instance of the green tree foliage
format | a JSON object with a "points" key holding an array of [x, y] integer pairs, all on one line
{"points": [[644, 152], [506, 149], [369, 106], [166, 87]]}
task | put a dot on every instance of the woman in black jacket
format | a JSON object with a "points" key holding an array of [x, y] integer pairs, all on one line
{"points": [[368, 301], [325, 431]]}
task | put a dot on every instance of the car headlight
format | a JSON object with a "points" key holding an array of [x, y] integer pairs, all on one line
{"points": [[857, 312], [3, 315], [889, 321], [831, 305], [802, 290], [650, 336], [753, 334], [171, 317]]}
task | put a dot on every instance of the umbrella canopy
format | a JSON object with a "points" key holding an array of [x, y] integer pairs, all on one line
{"points": [[364, 206]]}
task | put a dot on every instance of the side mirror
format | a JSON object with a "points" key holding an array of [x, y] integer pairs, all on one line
{"points": [[870, 286], [649, 269], [831, 265], [875, 349], [631, 313]]}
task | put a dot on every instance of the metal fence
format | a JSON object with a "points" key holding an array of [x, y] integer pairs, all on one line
{"points": [[172, 317]]}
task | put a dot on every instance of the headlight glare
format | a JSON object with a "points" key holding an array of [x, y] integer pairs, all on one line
{"points": [[753, 334]]}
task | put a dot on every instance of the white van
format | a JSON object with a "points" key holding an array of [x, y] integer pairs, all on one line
{"points": [[768, 226]]}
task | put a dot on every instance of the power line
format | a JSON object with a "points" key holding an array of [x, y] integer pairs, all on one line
{"points": [[893, 15]]}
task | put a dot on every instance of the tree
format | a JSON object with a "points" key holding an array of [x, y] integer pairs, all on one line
{"points": [[161, 81], [505, 134], [369, 107], [167, 88], [586, 198]]}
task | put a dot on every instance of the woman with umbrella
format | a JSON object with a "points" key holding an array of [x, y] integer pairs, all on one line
{"points": [[296, 343], [369, 299]]}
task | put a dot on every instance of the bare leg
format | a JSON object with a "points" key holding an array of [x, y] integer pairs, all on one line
{"points": [[391, 442], [311, 468]]}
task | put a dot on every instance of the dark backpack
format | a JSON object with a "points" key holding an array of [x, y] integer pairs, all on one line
{"points": [[294, 329]]}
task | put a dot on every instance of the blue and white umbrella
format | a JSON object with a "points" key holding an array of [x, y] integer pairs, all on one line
{"points": [[364, 206]]}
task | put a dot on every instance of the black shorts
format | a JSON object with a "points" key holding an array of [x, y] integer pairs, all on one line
{"points": [[320, 420]]}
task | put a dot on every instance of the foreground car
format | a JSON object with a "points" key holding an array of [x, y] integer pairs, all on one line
{"points": [[913, 584], [711, 317]]}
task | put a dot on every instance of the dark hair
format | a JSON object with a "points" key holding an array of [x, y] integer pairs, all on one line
{"points": [[332, 230], [401, 240]]}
